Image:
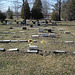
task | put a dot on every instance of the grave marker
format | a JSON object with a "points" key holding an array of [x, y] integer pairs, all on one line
{"points": [[59, 51], [44, 35], [2, 49], [14, 49], [51, 34]]}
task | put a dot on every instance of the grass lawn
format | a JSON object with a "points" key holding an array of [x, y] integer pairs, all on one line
{"points": [[21, 63]]}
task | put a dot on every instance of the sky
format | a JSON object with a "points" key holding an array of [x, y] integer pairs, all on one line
{"points": [[9, 3]]}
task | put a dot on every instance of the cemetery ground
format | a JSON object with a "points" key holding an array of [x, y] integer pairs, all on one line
{"points": [[43, 63]]}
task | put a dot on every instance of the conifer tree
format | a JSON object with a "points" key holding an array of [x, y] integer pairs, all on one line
{"points": [[37, 10], [27, 10]]}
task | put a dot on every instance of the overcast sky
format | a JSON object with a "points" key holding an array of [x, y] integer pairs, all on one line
{"points": [[9, 3]]}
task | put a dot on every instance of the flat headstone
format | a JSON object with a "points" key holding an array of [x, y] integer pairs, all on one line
{"points": [[6, 41], [2, 49], [59, 51], [67, 32], [60, 29], [34, 40], [32, 51], [35, 36], [69, 41], [41, 30], [51, 34], [14, 49], [23, 41], [33, 47], [44, 34], [14, 41]]}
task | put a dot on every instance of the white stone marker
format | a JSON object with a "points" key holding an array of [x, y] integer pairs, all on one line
{"points": [[35, 36], [6, 41], [33, 49], [23, 41], [14, 41], [69, 41], [59, 51], [14, 49], [60, 29]]}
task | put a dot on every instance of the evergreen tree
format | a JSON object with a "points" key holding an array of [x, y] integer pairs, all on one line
{"points": [[37, 10], [27, 10], [2, 16]]}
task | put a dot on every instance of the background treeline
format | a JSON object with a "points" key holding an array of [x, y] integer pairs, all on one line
{"points": [[64, 10]]}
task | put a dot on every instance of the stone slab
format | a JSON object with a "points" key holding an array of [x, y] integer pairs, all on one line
{"points": [[2, 49], [14, 49], [67, 32], [6, 41], [35, 36], [59, 51], [14, 41], [69, 41], [32, 51], [23, 41], [33, 47], [51, 34], [44, 35]]}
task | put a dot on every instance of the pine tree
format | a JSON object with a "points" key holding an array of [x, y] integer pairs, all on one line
{"points": [[27, 10], [37, 10]]}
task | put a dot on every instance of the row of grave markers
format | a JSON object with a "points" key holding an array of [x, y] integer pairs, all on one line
{"points": [[14, 41], [35, 49]]}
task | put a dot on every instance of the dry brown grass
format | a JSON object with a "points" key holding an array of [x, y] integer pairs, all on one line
{"points": [[21, 63]]}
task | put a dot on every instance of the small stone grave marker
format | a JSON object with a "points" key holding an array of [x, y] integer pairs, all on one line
{"points": [[33, 49], [21, 31], [14, 49], [60, 29], [23, 41], [35, 36], [59, 51], [41, 30], [44, 35], [69, 41], [6, 41], [51, 34], [2, 49], [67, 32], [14, 41]]}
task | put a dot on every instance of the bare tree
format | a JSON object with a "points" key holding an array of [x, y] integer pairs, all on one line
{"points": [[46, 7], [16, 6]]}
